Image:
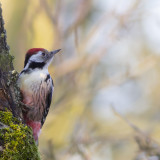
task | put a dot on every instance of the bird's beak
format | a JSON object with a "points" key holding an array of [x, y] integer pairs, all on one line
{"points": [[55, 51]]}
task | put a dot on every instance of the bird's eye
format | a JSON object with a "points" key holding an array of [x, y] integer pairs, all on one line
{"points": [[43, 54]]}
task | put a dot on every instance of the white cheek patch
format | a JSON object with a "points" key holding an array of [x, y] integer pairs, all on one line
{"points": [[50, 60], [37, 57]]}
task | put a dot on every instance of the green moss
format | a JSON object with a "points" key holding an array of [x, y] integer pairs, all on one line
{"points": [[16, 139], [5, 60], [2, 35]]}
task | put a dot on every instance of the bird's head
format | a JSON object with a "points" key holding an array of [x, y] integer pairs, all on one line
{"points": [[39, 58]]}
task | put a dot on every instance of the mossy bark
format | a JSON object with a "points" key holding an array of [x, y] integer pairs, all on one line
{"points": [[16, 141]]}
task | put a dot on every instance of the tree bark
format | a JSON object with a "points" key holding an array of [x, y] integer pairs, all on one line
{"points": [[16, 141], [8, 76]]}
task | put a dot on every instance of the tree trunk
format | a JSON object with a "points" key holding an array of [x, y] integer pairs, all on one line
{"points": [[16, 141]]}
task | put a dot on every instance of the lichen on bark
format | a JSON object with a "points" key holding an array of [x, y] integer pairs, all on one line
{"points": [[16, 140]]}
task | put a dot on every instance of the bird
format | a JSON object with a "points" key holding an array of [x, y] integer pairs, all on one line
{"points": [[36, 86]]}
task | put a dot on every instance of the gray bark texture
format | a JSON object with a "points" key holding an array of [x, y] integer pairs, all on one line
{"points": [[16, 140], [8, 97]]}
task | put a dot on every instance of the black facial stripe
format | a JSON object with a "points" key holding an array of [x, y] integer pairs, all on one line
{"points": [[26, 71], [26, 59], [34, 65]]}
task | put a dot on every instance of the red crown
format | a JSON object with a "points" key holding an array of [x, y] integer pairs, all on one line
{"points": [[31, 52], [34, 51]]}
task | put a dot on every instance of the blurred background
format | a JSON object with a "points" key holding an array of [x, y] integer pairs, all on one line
{"points": [[106, 102]]}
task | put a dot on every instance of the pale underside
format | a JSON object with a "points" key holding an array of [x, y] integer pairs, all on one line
{"points": [[35, 91]]}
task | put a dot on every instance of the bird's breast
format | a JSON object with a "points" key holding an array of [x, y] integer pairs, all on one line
{"points": [[34, 89], [30, 82]]}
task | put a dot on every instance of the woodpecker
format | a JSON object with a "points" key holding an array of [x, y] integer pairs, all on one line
{"points": [[36, 86]]}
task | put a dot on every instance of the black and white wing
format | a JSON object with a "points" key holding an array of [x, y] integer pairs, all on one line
{"points": [[48, 100]]}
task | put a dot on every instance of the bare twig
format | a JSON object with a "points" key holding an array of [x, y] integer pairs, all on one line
{"points": [[145, 142], [51, 150]]}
